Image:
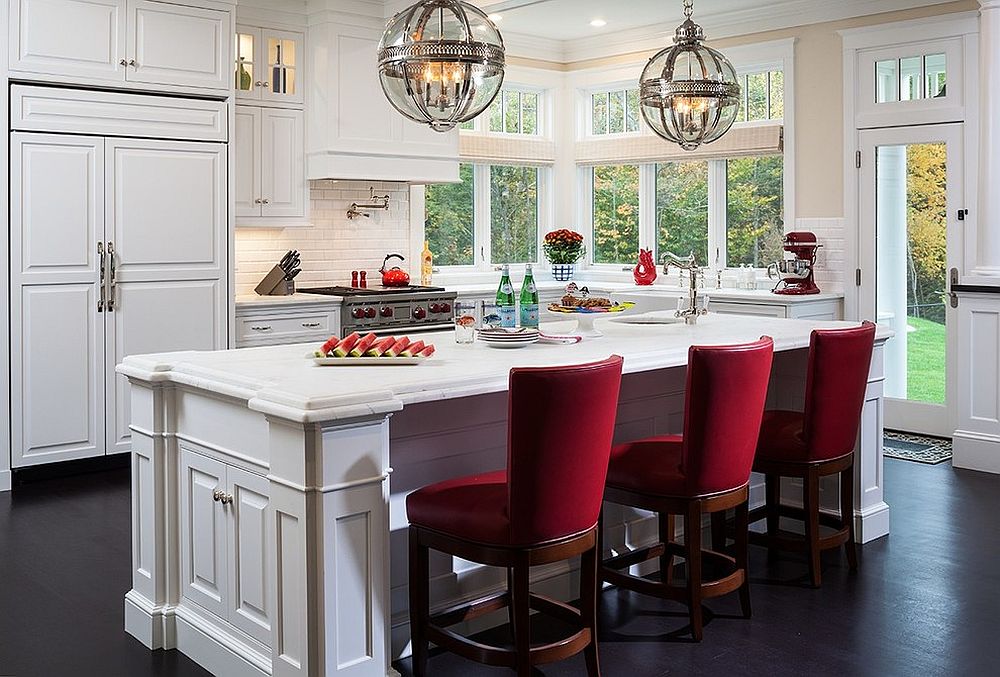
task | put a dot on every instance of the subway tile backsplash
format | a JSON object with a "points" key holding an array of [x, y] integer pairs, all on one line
{"points": [[334, 245], [830, 258]]}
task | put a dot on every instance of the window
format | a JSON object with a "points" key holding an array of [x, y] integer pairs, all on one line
{"points": [[616, 213], [491, 217], [614, 112], [754, 210], [682, 209], [910, 78], [513, 214], [514, 112], [449, 221], [763, 96]]}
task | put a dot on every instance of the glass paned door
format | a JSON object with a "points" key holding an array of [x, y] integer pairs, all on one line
{"points": [[911, 187]]}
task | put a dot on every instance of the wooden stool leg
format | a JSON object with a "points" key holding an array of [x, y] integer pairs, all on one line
{"points": [[719, 531], [520, 600], [666, 521], [810, 491], [772, 501], [692, 552], [589, 592], [419, 583], [847, 515], [742, 554]]}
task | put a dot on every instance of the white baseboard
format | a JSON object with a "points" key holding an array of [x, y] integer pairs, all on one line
{"points": [[5, 480], [975, 451], [199, 640], [151, 625]]}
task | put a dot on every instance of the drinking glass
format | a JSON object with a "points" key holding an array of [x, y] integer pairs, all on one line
{"points": [[465, 321]]}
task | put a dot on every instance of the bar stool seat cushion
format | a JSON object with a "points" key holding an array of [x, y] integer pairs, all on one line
{"points": [[472, 508], [649, 466], [782, 437]]}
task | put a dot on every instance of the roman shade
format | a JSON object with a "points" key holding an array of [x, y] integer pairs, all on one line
{"points": [[749, 140], [519, 150]]}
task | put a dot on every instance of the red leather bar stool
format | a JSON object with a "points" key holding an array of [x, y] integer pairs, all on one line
{"points": [[543, 508], [706, 470], [817, 442]]}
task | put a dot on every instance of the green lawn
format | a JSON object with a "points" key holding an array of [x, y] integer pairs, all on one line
{"points": [[925, 360]]}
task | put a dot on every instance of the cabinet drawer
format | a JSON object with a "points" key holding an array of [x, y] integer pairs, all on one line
{"points": [[758, 309], [284, 328]]}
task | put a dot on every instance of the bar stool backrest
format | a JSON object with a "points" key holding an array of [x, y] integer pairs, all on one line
{"points": [[724, 404], [561, 422], [836, 381]]}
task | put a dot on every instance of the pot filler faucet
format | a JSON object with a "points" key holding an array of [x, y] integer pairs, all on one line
{"points": [[691, 313]]}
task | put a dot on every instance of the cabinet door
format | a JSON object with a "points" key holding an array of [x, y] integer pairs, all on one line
{"points": [[75, 38], [178, 45], [250, 539], [281, 55], [57, 329], [248, 160], [156, 317], [282, 163], [248, 66], [204, 564], [167, 212]]}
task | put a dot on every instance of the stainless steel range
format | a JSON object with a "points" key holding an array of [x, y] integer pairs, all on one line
{"points": [[386, 310]]}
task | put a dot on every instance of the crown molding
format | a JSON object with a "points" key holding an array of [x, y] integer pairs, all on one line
{"points": [[775, 16]]}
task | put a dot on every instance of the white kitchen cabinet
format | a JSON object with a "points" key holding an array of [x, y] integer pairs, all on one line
{"points": [[257, 327], [119, 247], [354, 133], [271, 187], [225, 537], [145, 43], [269, 65]]}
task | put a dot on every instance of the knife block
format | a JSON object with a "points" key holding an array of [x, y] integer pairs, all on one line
{"points": [[275, 284]]}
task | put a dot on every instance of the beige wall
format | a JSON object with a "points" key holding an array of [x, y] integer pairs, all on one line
{"points": [[819, 126]]}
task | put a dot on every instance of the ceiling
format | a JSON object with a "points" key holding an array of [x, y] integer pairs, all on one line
{"points": [[569, 20]]}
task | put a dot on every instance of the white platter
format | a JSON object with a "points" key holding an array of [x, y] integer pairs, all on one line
{"points": [[509, 344], [367, 361]]}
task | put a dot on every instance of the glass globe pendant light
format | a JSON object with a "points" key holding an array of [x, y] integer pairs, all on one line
{"points": [[688, 92], [441, 62]]}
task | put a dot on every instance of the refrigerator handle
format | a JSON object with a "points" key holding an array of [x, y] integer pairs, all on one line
{"points": [[111, 277]]}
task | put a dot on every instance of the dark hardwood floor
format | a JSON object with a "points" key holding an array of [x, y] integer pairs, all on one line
{"points": [[926, 600]]}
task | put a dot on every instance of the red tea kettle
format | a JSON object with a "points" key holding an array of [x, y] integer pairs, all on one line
{"points": [[395, 276]]}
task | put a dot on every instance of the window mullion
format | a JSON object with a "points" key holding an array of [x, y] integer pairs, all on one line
{"points": [[717, 213], [483, 215], [647, 206]]}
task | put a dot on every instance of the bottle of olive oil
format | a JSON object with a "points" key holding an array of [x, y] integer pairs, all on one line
{"points": [[506, 302], [426, 265], [529, 300]]}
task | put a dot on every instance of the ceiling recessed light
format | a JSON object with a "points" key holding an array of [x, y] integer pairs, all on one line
{"points": [[496, 18], [598, 23]]}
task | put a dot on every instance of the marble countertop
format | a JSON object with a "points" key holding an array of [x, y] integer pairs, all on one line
{"points": [[283, 382]]}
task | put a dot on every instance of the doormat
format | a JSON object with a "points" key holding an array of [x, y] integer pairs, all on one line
{"points": [[918, 448]]}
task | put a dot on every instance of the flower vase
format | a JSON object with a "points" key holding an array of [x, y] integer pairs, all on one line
{"points": [[563, 272]]}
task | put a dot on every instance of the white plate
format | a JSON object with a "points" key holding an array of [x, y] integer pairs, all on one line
{"points": [[508, 344], [366, 361]]}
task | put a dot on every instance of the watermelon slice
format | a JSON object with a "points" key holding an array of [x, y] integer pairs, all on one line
{"points": [[413, 349], [397, 348], [345, 346], [380, 347], [363, 345], [330, 344], [426, 352]]}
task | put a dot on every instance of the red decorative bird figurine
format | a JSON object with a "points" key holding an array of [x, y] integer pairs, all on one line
{"points": [[645, 271]]}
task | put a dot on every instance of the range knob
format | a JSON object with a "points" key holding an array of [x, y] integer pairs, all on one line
{"points": [[445, 307], [357, 313], [419, 313], [386, 311], [370, 312], [435, 308]]}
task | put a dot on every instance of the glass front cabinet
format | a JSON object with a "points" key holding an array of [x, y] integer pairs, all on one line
{"points": [[267, 64]]}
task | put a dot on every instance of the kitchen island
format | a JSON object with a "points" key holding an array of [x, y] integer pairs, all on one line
{"points": [[268, 537]]}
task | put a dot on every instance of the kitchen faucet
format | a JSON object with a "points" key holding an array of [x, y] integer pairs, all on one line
{"points": [[688, 263]]}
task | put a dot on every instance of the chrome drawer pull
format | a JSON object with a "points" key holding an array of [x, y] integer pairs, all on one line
{"points": [[263, 328], [311, 325]]}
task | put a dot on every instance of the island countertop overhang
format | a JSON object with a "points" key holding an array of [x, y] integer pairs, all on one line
{"points": [[280, 381]]}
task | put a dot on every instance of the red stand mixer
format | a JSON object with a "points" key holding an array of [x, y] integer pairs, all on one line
{"points": [[796, 274]]}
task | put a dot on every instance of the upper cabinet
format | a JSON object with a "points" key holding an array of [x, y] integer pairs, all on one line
{"points": [[268, 65], [353, 131], [141, 43]]}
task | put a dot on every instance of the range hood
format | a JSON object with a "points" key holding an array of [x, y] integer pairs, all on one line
{"points": [[352, 130]]}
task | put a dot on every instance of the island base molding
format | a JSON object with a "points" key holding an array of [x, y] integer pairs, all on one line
{"points": [[975, 451]]}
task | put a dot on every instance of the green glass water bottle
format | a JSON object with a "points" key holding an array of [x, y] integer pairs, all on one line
{"points": [[506, 303], [529, 300]]}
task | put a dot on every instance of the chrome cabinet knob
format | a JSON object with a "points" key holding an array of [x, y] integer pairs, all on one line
{"points": [[258, 201], [262, 83], [131, 62], [266, 201], [123, 62], [218, 495]]}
